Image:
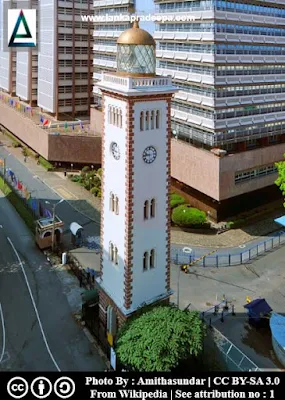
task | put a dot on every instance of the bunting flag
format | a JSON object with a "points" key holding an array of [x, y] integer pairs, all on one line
{"points": [[28, 195], [1, 161], [65, 125], [45, 122], [47, 213], [49, 125], [41, 120], [81, 125], [19, 185], [73, 127]]}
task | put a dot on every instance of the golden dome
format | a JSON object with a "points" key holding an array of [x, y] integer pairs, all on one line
{"points": [[136, 36]]}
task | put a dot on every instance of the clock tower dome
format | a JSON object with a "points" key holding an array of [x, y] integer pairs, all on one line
{"points": [[135, 213]]}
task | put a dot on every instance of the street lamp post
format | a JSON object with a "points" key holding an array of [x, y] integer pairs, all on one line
{"points": [[53, 221]]}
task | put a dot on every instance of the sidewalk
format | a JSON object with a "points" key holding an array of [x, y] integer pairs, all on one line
{"points": [[89, 206]]}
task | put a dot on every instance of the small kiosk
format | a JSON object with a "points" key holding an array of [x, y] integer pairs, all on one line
{"points": [[44, 229]]}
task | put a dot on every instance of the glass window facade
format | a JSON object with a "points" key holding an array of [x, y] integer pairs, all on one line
{"points": [[136, 59]]}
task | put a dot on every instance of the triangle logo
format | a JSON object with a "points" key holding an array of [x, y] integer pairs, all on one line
{"points": [[15, 35]]}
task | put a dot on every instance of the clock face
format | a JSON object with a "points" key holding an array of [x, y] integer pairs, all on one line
{"points": [[115, 151], [149, 155]]}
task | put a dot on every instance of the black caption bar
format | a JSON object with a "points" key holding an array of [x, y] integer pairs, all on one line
{"points": [[261, 385]]}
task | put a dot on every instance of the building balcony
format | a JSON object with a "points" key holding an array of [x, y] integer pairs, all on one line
{"points": [[249, 79], [106, 34], [195, 98], [193, 119], [186, 56], [97, 76], [230, 123], [249, 100], [249, 59], [248, 18], [244, 38], [108, 3], [104, 49], [105, 63], [178, 36], [186, 76]]}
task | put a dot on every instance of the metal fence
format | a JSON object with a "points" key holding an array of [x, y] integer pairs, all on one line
{"points": [[230, 259]]}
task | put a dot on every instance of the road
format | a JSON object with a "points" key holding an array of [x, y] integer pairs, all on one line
{"points": [[37, 329]]}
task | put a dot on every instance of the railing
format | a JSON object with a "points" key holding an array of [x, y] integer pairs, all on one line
{"points": [[230, 259], [134, 83]]}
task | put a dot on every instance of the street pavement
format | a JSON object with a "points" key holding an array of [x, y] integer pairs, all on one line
{"points": [[68, 212], [37, 328]]}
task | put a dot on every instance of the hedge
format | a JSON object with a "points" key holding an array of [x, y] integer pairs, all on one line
{"points": [[176, 200], [188, 216]]}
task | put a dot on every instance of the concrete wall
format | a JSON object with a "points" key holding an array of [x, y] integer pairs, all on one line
{"points": [[248, 160], [25, 129], [215, 176], [63, 148], [195, 167], [96, 120]]}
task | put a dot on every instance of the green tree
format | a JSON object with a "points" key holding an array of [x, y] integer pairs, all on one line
{"points": [[159, 339], [188, 216], [280, 181]]}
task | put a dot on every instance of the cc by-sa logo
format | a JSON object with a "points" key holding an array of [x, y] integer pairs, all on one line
{"points": [[41, 387]]}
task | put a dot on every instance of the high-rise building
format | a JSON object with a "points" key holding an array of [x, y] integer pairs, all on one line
{"points": [[58, 75], [135, 257], [7, 59], [228, 117]]}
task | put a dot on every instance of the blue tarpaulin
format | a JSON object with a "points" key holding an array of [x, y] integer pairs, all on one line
{"points": [[280, 221], [277, 326], [258, 308]]}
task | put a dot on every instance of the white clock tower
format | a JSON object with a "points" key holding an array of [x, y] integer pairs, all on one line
{"points": [[135, 222]]}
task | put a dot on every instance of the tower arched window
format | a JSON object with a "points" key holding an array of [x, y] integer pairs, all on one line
{"points": [[112, 202], [111, 251], [152, 120], [152, 258], [152, 208], [109, 114], [117, 205], [120, 119], [146, 210], [116, 117], [115, 255], [145, 261], [147, 121], [142, 121], [157, 119]]}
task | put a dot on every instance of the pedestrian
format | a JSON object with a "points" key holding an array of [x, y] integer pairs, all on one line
{"points": [[65, 173]]}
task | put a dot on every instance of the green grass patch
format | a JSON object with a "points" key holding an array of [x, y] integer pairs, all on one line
{"points": [[24, 212], [15, 141], [47, 165]]}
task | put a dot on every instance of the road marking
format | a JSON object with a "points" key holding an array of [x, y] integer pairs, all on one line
{"points": [[3, 333], [66, 194], [34, 305]]}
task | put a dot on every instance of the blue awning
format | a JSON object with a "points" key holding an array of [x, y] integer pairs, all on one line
{"points": [[280, 221]]}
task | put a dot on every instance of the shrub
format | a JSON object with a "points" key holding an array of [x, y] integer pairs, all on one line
{"points": [[75, 178], [85, 170], [25, 151], [188, 216], [47, 165], [94, 191], [176, 200], [16, 144]]}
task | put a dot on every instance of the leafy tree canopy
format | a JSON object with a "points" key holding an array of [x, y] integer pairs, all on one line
{"points": [[158, 339], [280, 181]]}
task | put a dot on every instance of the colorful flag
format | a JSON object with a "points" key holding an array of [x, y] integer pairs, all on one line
{"points": [[73, 127], [28, 195], [45, 122], [34, 204], [65, 125], [19, 185], [41, 119], [81, 125]]}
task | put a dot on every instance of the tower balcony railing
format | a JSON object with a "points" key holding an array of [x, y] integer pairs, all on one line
{"points": [[135, 83]]}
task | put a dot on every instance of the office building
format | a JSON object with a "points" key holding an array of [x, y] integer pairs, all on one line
{"points": [[228, 117], [57, 77]]}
